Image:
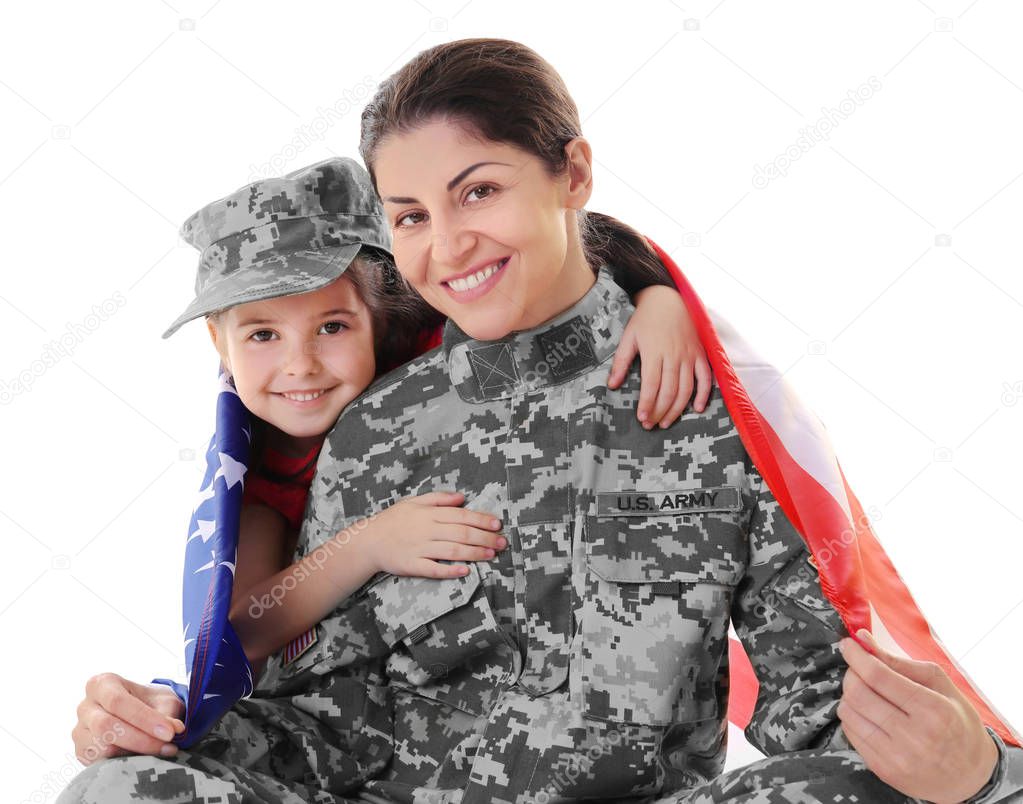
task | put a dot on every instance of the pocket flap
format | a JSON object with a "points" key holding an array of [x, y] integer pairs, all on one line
{"points": [[403, 605]]}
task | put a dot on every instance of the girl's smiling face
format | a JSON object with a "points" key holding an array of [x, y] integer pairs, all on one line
{"points": [[481, 230], [283, 351]]}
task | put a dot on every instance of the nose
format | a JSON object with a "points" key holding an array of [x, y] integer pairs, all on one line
{"points": [[451, 240], [303, 358]]}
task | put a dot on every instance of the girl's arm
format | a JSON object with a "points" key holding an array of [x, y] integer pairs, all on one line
{"points": [[262, 538], [270, 606], [662, 333], [268, 612], [263, 541]]}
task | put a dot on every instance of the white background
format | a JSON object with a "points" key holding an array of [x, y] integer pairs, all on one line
{"points": [[882, 272]]}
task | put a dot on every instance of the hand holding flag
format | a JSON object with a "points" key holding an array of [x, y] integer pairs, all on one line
{"points": [[914, 728], [119, 717]]}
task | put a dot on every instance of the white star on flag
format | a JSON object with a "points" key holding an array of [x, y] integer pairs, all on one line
{"points": [[231, 470], [204, 528]]}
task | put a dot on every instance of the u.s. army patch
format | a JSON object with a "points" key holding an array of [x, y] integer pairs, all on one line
{"points": [[663, 503]]}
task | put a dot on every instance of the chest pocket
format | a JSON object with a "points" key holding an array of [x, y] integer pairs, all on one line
{"points": [[654, 622]]}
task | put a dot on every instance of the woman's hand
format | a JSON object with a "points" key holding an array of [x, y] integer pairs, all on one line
{"points": [[416, 530], [119, 717], [915, 730], [662, 334]]}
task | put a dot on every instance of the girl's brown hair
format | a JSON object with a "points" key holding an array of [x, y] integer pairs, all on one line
{"points": [[504, 92]]}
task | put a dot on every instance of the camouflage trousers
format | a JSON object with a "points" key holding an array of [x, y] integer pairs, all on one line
{"points": [[818, 776]]}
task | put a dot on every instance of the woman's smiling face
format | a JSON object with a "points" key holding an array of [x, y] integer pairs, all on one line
{"points": [[481, 230]]}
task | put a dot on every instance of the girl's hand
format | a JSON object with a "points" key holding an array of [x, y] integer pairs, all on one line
{"points": [[415, 531], [663, 335]]}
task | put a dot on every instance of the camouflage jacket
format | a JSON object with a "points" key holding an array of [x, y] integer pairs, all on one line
{"points": [[590, 657]]}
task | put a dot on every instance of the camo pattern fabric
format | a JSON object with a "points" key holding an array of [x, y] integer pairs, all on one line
{"points": [[588, 660]]}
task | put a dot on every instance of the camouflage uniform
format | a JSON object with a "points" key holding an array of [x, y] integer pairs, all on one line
{"points": [[589, 660]]}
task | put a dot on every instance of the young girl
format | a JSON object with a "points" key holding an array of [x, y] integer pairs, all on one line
{"points": [[298, 359]]}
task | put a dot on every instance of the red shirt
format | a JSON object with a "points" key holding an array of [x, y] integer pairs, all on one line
{"points": [[287, 497], [430, 340]]}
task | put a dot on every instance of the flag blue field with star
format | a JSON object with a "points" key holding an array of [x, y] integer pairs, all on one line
{"points": [[218, 671]]}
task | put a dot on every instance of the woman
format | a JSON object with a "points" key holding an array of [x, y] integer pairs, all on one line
{"points": [[588, 660]]}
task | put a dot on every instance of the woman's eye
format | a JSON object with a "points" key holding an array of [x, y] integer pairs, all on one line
{"points": [[411, 219], [481, 192], [255, 335], [338, 324]]}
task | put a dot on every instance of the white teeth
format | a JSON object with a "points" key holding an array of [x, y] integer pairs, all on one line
{"points": [[304, 397], [471, 281]]}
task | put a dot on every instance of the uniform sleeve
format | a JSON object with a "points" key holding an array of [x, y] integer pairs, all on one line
{"points": [[324, 514], [1006, 784], [790, 631]]}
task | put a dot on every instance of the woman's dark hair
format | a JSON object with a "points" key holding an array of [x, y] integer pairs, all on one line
{"points": [[399, 318], [504, 92]]}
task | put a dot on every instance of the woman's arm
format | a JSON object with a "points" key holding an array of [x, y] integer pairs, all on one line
{"points": [[812, 680]]}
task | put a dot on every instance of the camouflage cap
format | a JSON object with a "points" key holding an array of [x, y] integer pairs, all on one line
{"points": [[282, 236]]}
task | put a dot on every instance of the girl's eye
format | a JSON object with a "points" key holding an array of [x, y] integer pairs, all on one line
{"points": [[412, 219], [255, 335], [340, 326], [481, 192]]}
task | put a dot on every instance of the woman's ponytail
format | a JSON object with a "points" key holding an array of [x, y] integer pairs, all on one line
{"points": [[633, 264]]}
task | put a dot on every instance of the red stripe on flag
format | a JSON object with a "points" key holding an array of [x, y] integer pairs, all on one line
{"points": [[742, 685], [905, 622]]}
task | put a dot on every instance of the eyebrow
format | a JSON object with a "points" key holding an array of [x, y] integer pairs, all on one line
{"points": [[394, 199], [343, 311]]}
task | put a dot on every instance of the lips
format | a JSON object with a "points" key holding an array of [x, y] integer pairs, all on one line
{"points": [[304, 396], [477, 282], [475, 276]]}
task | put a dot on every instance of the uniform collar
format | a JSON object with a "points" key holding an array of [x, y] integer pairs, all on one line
{"points": [[570, 344]]}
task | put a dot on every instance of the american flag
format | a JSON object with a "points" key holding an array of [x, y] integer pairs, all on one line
{"points": [[792, 451], [218, 671]]}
